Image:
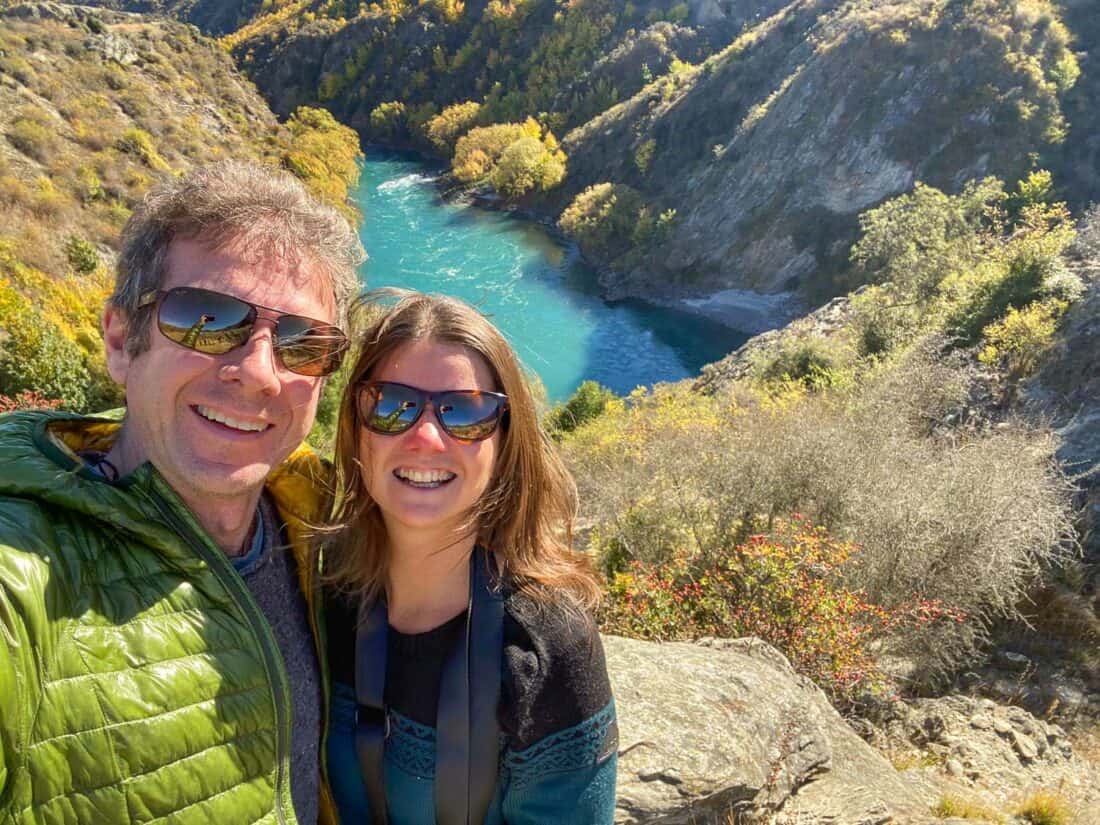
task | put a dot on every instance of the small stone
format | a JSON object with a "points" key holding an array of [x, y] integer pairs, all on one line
{"points": [[1012, 660], [1025, 747], [955, 768], [981, 722], [1002, 726]]}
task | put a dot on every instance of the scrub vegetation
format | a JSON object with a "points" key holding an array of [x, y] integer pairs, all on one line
{"points": [[837, 497], [94, 109]]}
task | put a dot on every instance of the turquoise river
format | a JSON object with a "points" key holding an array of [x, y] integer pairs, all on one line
{"points": [[532, 285]]}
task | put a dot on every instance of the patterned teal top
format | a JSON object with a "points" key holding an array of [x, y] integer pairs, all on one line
{"points": [[557, 717]]}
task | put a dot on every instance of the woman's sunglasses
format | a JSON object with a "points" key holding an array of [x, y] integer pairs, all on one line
{"points": [[215, 323], [389, 408]]}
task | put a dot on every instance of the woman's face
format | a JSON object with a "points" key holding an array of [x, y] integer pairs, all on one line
{"points": [[424, 478]]}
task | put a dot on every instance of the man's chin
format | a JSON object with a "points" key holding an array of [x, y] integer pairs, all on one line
{"points": [[220, 480]]}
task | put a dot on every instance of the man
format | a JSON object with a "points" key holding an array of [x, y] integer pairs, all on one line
{"points": [[156, 655]]}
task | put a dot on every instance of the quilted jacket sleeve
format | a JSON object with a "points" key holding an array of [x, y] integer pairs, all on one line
{"points": [[23, 644], [14, 653]]}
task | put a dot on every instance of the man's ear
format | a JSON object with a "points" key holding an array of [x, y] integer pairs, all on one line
{"points": [[116, 327]]}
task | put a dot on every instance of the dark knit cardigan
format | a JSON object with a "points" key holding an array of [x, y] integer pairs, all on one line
{"points": [[556, 715]]}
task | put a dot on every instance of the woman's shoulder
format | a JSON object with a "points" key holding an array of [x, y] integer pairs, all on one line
{"points": [[555, 676]]}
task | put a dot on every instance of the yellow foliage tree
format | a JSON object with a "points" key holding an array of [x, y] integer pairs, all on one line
{"points": [[325, 155], [444, 130]]}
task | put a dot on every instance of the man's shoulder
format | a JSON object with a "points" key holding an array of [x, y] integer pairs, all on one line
{"points": [[42, 502]]}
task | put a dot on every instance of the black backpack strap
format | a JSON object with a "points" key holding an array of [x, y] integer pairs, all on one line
{"points": [[467, 731], [467, 759], [371, 721]]}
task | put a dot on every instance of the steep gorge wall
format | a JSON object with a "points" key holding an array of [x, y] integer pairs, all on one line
{"points": [[770, 150], [761, 127]]}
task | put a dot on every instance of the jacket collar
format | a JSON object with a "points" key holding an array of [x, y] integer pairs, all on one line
{"points": [[39, 458]]}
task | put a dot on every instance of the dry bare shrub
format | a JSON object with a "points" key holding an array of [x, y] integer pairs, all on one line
{"points": [[966, 517]]}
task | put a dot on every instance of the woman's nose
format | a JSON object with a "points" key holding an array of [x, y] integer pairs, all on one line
{"points": [[427, 433]]}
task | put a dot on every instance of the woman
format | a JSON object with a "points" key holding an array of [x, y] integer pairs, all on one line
{"points": [[469, 682]]}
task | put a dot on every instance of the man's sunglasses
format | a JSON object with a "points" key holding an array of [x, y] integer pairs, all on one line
{"points": [[215, 323], [389, 408]]}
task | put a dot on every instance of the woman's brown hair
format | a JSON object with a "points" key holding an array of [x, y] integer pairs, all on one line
{"points": [[525, 516]]}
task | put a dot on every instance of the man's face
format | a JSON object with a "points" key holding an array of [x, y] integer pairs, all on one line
{"points": [[215, 426]]}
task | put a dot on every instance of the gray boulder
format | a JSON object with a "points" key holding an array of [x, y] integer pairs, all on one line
{"points": [[726, 731]]}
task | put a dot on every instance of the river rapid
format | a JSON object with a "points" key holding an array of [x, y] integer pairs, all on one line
{"points": [[532, 285]]}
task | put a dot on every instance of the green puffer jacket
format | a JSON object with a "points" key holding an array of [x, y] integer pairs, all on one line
{"points": [[139, 681]]}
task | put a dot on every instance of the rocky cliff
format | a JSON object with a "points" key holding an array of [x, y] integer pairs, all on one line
{"points": [[769, 150]]}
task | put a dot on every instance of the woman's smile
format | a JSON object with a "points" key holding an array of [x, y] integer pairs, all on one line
{"points": [[424, 479]]}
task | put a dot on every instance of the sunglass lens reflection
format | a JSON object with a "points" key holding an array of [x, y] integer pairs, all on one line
{"points": [[395, 408], [307, 348], [205, 321], [469, 416]]}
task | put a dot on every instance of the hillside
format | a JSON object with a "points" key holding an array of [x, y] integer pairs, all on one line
{"points": [[742, 137], [95, 107], [214, 17]]}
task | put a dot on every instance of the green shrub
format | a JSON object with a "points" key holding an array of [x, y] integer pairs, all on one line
{"points": [[586, 403], [643, 155], [325, 155], [812, 361], [89, 186], [477, 152], [881, 323], [33, 138], [603, 218], [527, 165], [140, 143], [1020, 339], [915, 240], [323, 435], [388, 121], [83, 256], [35, 356], [444, 130]]}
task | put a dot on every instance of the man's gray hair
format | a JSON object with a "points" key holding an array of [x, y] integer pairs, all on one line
{"points": [[229, 203]]}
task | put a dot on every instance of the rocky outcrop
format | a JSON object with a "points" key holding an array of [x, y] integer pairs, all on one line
{"points": [[724, 730], [990, 753], [824, 322]]}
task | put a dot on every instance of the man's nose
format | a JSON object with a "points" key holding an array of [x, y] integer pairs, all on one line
{"points": [[254, 363]]}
